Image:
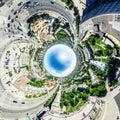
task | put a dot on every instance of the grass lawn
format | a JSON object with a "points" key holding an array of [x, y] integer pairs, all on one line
{"points": [[70, 109], [102, 47], [62, 34], [73, 100], [64, 37], [106, 60], [81, 103], [98, 47], [37, 83]]}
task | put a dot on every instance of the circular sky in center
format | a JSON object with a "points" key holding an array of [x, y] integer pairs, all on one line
{"points": [[60, 60]]}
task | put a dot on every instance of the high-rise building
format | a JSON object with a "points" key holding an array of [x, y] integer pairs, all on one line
{"points": [[103, 18]]}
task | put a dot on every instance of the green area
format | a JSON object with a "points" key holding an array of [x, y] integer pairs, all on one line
{"points": [[28, 67], [100, 90], [118, 49], [105, 60], [8, 51], [116, 84], [38, 57], [84, 77], [37, 17], [62, 36], [50, 100], [112, 65], [31, 51], [102, 52], [36, 96], [37, 83], [116, 46], [98, 47], [77, 18], [100, 74], [69, 3], [31, 96], [38, 51], [31, 33], [45, 16], [10, 74], [73, 100]]}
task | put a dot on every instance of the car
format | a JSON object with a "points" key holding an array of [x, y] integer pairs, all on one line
{"points": [[16, 17], [66, 8], [12, 10], [9, 31], [14, 101], [9, 17], [6, 67], [15, 13], [22, 102], [12, 20], [28, 2], [52, 2], [36, 3], [8, 82], [19, 4], [26, 6], [8, 25]]}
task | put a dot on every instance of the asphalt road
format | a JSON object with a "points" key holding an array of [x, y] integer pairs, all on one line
{"points": [[12, 110], [9, 109]]}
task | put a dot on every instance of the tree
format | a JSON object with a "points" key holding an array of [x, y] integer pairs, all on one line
{"points": [[10, 74], [85, 96], [76, 12], [61, 104], [71, 6], [94, 92], [100, 53], [65, 1]]}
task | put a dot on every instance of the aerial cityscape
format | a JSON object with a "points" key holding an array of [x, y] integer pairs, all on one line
{"points": [[59, 59]]}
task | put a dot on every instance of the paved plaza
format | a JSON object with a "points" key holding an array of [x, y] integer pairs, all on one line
{"points": [[28, 28]]}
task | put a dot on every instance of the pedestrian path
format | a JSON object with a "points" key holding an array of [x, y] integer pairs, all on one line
{"points": [[111, 109]]}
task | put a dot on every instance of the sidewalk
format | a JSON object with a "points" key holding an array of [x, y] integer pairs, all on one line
{"points": [[111, 110], [79, 5]]}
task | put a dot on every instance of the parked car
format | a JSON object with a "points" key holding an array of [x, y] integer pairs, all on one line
{"points": [[22, 102], [14, 101], [19, 4], [52, 2], [28, 2]]}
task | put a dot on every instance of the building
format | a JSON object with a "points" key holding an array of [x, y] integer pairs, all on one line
{"points": [[106, 15]]}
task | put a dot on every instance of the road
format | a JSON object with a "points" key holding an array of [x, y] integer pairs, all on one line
{"points": [[30, 106], [111, 110], [8, 109]]}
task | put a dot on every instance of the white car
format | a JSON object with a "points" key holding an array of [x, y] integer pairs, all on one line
{"points": [[66, 8]]}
